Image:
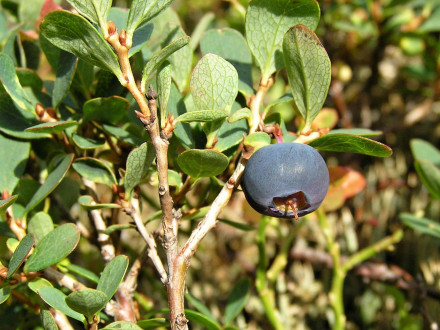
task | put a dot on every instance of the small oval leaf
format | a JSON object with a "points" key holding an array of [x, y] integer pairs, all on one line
{"points": [[423, 225], [51, 127], [424, 150], [231, 45], [56, 299], [11, 84], [202, 116], [308, 69], [214, 83], [5, 203], [112, 276], [95, 170], [47, 320], [124, 325], [53, 247], [87, 301], [202, 163], [138, 162], [105, 109], [430, 176], [87, 143], [52, 181], [40, 225], [5, 293], [351, 143], [88, 203], [20, 254], [76, 35], [159, 57], [266, 23], [237, 299], [38, 283]]}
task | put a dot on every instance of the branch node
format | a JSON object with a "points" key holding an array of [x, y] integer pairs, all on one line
{"points": [[123, 37], [181, 320], [162, 190], [111, 28], [151, 94]]}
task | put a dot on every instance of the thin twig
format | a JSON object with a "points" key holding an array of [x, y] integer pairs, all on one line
{"points": [[62, 279], [135, 214], [104, 240], [61, 319]]}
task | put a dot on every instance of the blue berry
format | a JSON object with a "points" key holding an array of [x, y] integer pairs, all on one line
{"points": [[285, 180]]}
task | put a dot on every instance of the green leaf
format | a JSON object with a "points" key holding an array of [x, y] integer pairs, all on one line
{"points": [[40, 225], [5, 293], [202, 25], [89, 204], [20, 254], [429, 174], [38, 283], [231, 45], [78, 270], [201, 319], [5, 203], [181, 60], [423, 225], [237, 299], [202, 116], [266, 23], [199, 306], [308, 69], [423, 150], [351, 143], [47, 320], [159, 57], [365, 132], [52, 181], [53, 247], [138, 162], [176, 106], [153, 323], [87, 143], [13, 121], [141, 11], [255, 141], [13, 87], [106, 109], [113, 228], [112, 276], [243, 113], [230, 135], [124, 325], [164, 82], [95, 170], [65, 71], [94, 10], [51, 127], [87, 301], [214, 83], [174, 179], [29, 78], [76, 35], [14, 155], [202, 163], [237, 225], [122, 135], [56, 299]]}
